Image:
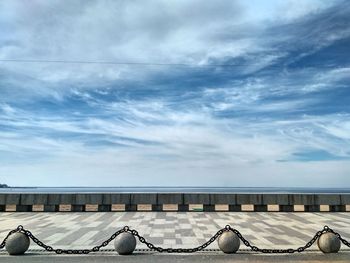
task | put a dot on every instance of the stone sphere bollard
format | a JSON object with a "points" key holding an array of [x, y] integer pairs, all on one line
{"points": [[125, 243], [17, 244], [228, 242], [328, 243]]}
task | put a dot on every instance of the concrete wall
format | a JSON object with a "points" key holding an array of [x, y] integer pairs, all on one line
{"points": [[175, 202]]}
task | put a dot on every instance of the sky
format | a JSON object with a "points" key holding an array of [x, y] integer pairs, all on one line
{"points": [[175, 93]]}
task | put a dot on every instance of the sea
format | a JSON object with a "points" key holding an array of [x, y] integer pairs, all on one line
{"points": [[157, 189]]}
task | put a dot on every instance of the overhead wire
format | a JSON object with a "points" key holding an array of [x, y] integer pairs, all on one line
{"points": [[126, 63]]}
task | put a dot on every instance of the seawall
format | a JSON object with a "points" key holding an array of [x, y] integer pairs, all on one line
{"points": [[210, 202]]}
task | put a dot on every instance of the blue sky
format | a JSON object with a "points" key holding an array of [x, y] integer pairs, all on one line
{"points": [[228, 93]]}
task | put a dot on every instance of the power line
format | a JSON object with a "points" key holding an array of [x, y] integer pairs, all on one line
{"points": [[144, 63], [94, 62]]}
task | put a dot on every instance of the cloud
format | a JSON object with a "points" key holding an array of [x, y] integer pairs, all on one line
{"points": [[188, 144], [7, 109], [281, 99], [135, 32], [111, 31]]}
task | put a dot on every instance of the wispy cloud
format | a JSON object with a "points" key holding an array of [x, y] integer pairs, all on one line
{"points": [[262, 100]]}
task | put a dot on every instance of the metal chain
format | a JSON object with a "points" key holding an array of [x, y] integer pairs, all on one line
{"points": [[72, 251], [3, 243], [176, 250], [173, 250], [345, 242], [277, 251]]}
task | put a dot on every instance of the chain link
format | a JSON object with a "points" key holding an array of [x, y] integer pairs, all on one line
{"points": [[345, 242], [3, 243], [61, 251], [278, 251], [173, 250], [176, 250]]}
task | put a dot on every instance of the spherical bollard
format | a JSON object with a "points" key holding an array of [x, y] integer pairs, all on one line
{"points": [[125, 243], [228, 242], [17, 243], [328, 243]]}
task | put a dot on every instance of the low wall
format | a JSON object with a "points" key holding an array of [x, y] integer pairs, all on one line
{"points": [[174, 202]]}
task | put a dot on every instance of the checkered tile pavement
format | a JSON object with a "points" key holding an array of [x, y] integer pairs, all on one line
{"points": [[174, 229]]}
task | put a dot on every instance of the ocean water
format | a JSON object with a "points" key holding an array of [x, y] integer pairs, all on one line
{"points": [[157, 189]]}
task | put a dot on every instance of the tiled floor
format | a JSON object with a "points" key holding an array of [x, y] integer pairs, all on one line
{"points": [[175, 229]]}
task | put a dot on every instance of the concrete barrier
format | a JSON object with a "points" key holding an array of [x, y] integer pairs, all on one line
{"points": [[175, 202]]}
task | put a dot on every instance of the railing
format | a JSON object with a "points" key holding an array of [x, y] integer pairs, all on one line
{"points": [[17, 242]]}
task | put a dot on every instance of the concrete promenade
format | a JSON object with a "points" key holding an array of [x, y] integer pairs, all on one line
{"points": [[176, 229]]}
